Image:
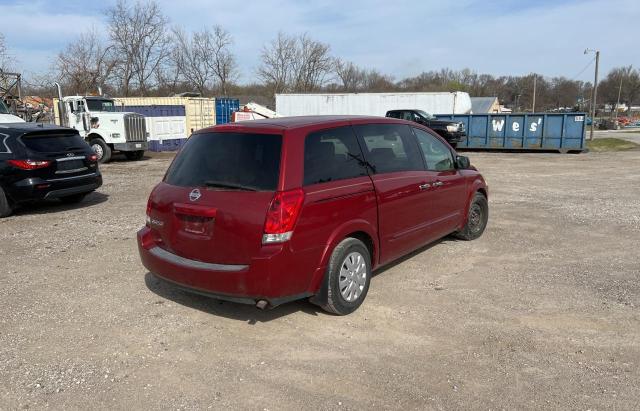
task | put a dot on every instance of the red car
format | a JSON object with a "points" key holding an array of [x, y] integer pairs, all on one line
{"points": [[269, 211]]}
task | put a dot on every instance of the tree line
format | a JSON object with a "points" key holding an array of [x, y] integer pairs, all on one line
{"points": [[144, 55]]}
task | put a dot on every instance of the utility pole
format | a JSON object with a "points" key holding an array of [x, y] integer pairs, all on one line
{"points": [[594, 92], [619, 92], [533, 106]]}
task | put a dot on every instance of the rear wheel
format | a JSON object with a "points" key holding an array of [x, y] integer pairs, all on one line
{"points": [[102, 150], [5, 206], [73, 199], [134, 155], [476, 218], [348, 277]]}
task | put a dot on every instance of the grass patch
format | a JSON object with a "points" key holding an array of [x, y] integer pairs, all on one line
{"points": [[611, 144]]}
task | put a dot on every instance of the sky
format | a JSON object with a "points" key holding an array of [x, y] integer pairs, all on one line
{"points": [[400, 38]]}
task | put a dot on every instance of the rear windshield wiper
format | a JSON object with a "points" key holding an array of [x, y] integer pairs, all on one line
{"points": [[223, 184]]}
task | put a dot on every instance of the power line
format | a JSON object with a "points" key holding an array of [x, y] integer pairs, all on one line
{"points": [[584, 69]]}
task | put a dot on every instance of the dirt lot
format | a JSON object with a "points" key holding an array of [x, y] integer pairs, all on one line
{"points": [[541, 312]]}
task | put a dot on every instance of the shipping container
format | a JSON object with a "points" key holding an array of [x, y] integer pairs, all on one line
{"points": [[171, 120], [371, 104], [225, 107], [199, 112], [532, 131]]}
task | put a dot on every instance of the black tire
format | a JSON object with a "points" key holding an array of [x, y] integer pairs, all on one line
{"points": [[101, 148], [5, 206], [73, 199], [134, 155], [477, 218], [336, 303]]}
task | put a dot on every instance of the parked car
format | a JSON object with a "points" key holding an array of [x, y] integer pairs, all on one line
{"points": [[41, 162], [269, 211], [452, 131]]}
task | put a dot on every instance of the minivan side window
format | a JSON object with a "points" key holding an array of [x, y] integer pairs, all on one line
{"points": [[332, 154], [390, 147], [436, 153]]}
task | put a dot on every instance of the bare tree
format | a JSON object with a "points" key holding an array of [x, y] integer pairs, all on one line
{"points": [[351, 77], [85, 64], [205, 57], [295, 64], [278, 62], [140, 37], [4, 55], [192, 55], [311, 65], [224, 62]]}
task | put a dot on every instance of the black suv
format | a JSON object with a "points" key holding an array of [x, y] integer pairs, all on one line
{"points": [[452, 131], [40, 162]]}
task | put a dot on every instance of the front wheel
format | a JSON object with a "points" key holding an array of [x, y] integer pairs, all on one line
{"points": [[477, 218], [102, 150], [348, 277], [134, 155]]}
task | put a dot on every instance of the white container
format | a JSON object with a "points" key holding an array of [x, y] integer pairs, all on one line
{"points": [[166, 128], [371, 104]]}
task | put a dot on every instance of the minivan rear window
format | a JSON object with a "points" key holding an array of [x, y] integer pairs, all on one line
{"points": [[228, 161], [53, 143]]}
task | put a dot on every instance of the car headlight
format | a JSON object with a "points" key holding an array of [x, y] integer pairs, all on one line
{"points": [[452, 128]]}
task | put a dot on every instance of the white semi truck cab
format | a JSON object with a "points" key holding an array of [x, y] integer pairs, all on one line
{"points": [[104, 127]]}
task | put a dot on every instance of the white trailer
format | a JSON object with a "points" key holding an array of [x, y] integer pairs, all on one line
{"points": [[371, 104]]}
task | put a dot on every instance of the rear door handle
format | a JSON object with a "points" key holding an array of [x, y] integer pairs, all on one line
{"points": [[424, 186], [438, 184]]}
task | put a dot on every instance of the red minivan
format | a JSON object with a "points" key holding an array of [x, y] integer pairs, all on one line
{"points": [[269, 211]]}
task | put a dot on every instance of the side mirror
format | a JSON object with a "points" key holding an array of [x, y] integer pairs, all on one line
{"points": [[462, 162]]}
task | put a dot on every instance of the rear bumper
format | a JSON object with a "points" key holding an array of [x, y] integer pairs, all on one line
{"points": [[132, 146], [247, 284], [33, 189]]}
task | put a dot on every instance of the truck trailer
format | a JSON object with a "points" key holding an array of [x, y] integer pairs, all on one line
{"points": [[371, 104]]}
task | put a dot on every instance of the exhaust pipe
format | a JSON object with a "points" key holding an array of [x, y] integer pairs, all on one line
{"points": [[262, 304], [59, 90], [62, 120]]}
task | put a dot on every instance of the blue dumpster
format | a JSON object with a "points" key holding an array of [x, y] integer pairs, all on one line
{"points": [[224, 108], [563, 132]]}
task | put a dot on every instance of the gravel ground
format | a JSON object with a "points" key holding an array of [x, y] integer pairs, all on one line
{"points": [[541, 312]]}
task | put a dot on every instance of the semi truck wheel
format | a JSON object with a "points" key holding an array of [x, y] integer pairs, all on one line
{"points": [[102, 150], [134, 155]]}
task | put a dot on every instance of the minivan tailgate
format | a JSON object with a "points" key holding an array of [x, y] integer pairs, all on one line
{"points": [[218, 226]]}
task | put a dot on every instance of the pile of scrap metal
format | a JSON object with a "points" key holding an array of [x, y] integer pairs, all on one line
{"points": [[29, 108]]}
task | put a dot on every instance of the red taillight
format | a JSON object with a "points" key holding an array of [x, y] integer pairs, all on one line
{"points": [[282, 215], [29, 164], [92, 157], [148, 216]]}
